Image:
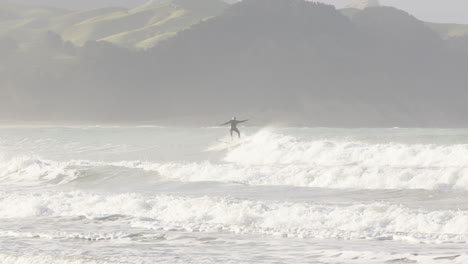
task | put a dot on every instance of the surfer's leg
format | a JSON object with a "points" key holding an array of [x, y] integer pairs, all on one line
{"points": [[237, 131], [231, 132]]}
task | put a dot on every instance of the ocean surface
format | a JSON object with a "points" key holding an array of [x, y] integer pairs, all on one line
{"points": [[190, 195]]}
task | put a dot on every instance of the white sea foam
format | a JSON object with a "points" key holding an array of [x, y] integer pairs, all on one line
{"points": [[319, 256], [269, 148], [373, 257], [351, 176], [268, 158], [66, 235], [25, 258], [37, 172], [30, 171], [208, 214], [53, 225]]}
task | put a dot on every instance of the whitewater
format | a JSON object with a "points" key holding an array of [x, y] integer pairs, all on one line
{"points": [[187, 195]]}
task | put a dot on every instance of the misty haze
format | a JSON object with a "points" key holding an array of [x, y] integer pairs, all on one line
{"points": [[254, 131], [292, 62]]}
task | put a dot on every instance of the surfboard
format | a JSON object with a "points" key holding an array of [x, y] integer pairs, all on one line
{"points": [[224, 144]]}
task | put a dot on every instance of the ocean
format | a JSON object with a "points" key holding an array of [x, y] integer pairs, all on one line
{"points": [[191, 195]]}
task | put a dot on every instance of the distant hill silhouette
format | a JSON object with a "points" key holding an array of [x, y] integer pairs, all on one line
{"points": [[286, 61]]}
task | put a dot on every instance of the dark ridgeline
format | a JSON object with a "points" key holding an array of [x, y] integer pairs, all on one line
{"points": [[274, 60]]}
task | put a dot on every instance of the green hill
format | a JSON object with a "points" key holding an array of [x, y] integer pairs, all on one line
{"points": [[444, 30], [168, 18], [25, 23], [62, 23], [449, 30], [141, 27]]}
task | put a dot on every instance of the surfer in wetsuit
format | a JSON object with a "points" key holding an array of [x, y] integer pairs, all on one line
{"points": [[233, 122]]}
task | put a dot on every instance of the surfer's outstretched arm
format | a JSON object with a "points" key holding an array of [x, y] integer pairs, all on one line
{"points": [[225, 123], [243, 121]]}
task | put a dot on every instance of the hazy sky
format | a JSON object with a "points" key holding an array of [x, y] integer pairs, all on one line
{"points": [[446, 11]]}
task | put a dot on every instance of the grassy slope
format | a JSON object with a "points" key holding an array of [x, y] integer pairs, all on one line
{"points": [[444, 30], [105, 25], [62, 23], [142, 27], [167, 19], [27, 23], [27, 26], [449, 30]]}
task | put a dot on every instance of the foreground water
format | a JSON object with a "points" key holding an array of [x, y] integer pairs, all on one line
{"points": [[282, 195]]}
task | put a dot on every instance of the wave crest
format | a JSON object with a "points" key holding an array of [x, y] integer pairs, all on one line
{"points": [[268, 148], [380, 221], [33, 171]]}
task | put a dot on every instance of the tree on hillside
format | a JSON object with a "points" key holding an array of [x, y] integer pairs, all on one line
{"points": [[54, 42]]}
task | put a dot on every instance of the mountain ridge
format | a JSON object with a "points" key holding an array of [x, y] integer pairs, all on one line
{"points": [[272, 60]]}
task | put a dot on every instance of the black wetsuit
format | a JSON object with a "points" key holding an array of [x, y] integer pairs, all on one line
{"points": [[233, 124]]}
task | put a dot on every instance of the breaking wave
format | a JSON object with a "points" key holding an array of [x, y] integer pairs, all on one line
{"points": [[267, 158], [33, 171], [268, 148], [377, 221]]}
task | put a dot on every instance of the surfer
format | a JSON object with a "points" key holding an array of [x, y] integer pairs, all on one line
{"points": [[233, 122]]}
